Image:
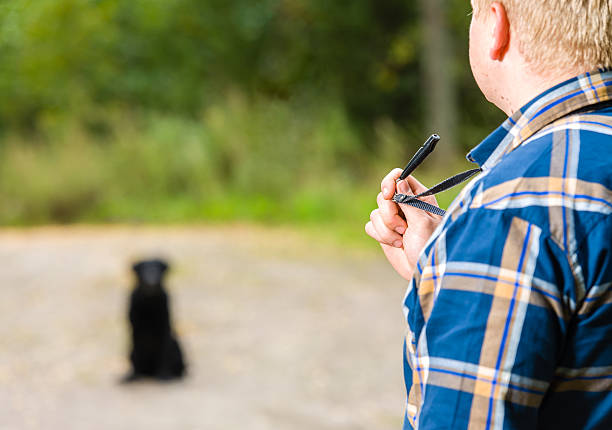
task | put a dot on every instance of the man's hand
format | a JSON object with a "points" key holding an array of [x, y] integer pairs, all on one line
{"points": [[402, 230]]}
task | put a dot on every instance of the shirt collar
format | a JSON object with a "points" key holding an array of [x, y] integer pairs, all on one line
{"points": [[557, 102]]}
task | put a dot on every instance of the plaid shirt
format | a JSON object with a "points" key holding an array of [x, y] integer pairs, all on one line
{"points": [[510, 308]]}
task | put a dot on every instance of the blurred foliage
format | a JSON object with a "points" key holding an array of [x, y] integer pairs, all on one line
{"points": [[175, 110]]}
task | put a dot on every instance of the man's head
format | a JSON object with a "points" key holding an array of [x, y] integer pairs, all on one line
{"points": [[546, 38]]}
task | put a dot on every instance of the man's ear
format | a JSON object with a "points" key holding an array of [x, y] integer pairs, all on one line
{"points": [[501, 32]]}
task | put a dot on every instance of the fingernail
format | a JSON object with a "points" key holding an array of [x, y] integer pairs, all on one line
{"points": [[385, 191], [400, 230], [397, 243]]}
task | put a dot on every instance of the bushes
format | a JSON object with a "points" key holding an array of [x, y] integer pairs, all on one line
{"points": [[176, 110], [243, 159], [179, 56]]}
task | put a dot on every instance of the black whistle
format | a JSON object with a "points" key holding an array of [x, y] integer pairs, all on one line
{"points": [[420, 155]]}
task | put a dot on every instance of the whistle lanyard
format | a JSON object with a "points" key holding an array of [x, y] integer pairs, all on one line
{"points": [[415, 161]]}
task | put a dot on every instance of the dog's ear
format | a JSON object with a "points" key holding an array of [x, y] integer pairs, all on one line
{"points": [[137, 267], [163, 266]]}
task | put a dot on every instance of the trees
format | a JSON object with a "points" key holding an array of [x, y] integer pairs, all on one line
{"points": [[182, 55], [244, 88]]}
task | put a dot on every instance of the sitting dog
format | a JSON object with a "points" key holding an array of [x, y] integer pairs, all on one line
{"points": [[155, 349]]}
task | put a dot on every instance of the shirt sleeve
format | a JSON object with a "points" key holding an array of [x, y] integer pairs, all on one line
{"points": [[487, 316]]}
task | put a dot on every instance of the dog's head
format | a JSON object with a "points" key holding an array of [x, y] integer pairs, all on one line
{"points": [[150, 273]]}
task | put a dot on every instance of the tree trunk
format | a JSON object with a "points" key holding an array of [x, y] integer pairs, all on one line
{"points": [[439, 84]]}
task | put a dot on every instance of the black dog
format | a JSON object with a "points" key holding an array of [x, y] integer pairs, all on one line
{"points": [[155, 349]]}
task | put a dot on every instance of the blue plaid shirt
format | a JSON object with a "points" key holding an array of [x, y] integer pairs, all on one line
{"points": [[510, 308]]}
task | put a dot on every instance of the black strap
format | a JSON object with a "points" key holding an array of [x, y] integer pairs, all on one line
{"points": [[442, 186], [420, 204]]}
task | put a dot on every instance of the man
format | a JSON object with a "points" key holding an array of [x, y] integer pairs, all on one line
{"points": [[510, 302]]}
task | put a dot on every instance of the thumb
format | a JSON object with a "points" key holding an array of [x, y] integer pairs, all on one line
{"points": [[412, 186], [413, 215]]}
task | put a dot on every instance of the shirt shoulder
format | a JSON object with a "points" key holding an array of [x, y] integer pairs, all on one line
{"points": [[558, 180]]}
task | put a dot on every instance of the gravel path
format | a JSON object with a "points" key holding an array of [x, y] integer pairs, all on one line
{"points": [[279, 332]]}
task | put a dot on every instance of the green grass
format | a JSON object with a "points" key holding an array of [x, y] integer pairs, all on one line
{"points": [[268, 162]]}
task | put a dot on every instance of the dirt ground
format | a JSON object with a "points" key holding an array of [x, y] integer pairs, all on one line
{"points": [[279, 331]]}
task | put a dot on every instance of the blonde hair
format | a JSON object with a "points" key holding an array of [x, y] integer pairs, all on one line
{"points": [[561, 35]]}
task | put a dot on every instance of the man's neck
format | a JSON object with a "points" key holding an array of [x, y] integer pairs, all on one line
{"points": [[524, 87]]}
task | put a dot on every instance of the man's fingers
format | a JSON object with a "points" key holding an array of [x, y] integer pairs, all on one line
{"points": [[387, 186], [405, 188], [415, 187], [417, 218], [385, 235], [389, 212], [371, 231]]}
